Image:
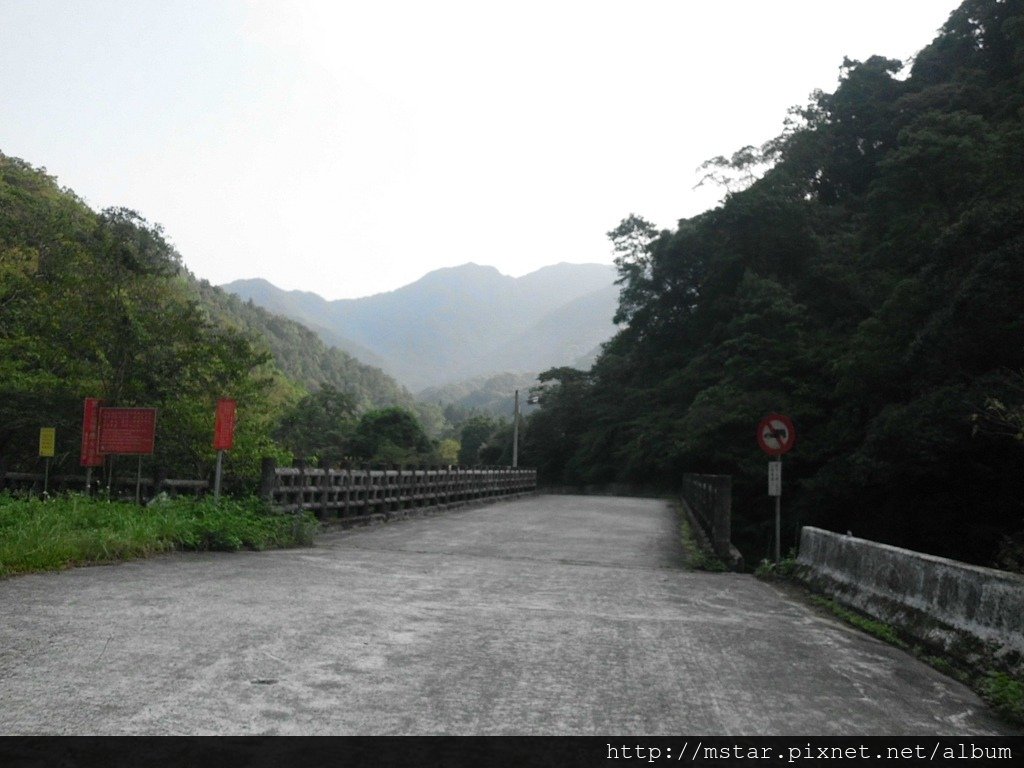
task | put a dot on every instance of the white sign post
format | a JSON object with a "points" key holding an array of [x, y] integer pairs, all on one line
{"points": [[775, 478]]}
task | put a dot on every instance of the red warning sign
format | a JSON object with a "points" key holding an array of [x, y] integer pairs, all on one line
{"points": [[224, 427], [91, 456], [775, 434], [127, 430]]}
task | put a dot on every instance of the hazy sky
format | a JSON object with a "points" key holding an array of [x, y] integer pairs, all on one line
{"points": [[348, 148]]}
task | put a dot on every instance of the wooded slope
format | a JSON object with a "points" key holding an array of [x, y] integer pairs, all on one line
{"points": [[870, 284], [98, 304]]}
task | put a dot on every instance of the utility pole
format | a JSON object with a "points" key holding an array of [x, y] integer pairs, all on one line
{"points": [[515, 433]]}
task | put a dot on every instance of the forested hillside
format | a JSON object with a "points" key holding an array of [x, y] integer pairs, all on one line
{"points": [[869, 283], [301, 355], [304, 307], [98, 304], [307, 360]]}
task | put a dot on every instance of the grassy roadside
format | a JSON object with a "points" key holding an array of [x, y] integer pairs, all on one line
{"points": [[72, 530], [1002, 688], [698, 557]]}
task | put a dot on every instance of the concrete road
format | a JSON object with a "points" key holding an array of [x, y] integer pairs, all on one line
{"points": [[549, 615]]}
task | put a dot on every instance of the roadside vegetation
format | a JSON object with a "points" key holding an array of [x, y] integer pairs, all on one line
{"points": [[1006, 694], [52, 534], [878, 629], [785, 568], [699, 557]]}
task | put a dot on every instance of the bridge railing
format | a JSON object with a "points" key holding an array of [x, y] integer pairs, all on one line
{"points": [[709, 498], [376, 493]]}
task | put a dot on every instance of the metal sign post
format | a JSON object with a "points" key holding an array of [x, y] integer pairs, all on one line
{"points": [[110, 474], [138, 481], [775, 489], [216, 476], [47, 448], [776, 436]]}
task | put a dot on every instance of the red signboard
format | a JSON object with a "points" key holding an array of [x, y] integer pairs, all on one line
{"points": [[224, 428], [775, 434], [91, 456], [127, 430]]}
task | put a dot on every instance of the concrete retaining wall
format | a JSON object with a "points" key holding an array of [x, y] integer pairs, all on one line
{"points": [[964, 609]]}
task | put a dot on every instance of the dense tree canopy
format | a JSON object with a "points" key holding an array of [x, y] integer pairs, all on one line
{"points": [[391, 435], [868, 284], [476, 431], [93, 305], [320, 425]]}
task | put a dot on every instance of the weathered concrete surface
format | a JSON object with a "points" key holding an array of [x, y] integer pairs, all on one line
{"points": [[549, 615], [940, 601]]}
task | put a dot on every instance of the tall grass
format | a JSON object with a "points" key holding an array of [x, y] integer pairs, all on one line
{"points": [[37, 535]]}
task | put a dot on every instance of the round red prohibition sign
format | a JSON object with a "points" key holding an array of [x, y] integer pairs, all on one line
{"points": [[775, 434]]}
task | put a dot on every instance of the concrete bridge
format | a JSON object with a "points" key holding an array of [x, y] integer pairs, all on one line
{"points": [[545, 615]]}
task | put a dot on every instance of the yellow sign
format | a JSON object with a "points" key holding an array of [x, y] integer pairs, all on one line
{"points": [[47, 441]]}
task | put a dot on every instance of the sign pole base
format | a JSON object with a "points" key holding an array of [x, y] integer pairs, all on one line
{"points": [[138, 482], [216, 477], [778, 529], [110, 475]]}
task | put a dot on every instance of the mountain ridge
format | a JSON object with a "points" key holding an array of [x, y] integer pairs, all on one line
{"points": [[459, 322]]}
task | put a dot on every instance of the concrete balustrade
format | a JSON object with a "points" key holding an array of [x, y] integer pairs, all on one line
{"points": [[367, 495], [965, 609]]}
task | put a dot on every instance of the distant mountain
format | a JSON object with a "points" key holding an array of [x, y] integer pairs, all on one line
{"points": [[569, 332], [491, 395], [302, 306], [460, 322]]}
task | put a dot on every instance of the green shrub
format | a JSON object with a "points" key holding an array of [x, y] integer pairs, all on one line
{"points": [[699, 558], [1006, 694], [786, 568]]}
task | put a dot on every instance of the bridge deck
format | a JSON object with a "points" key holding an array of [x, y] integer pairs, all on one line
{"points": [[549, 615]]}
